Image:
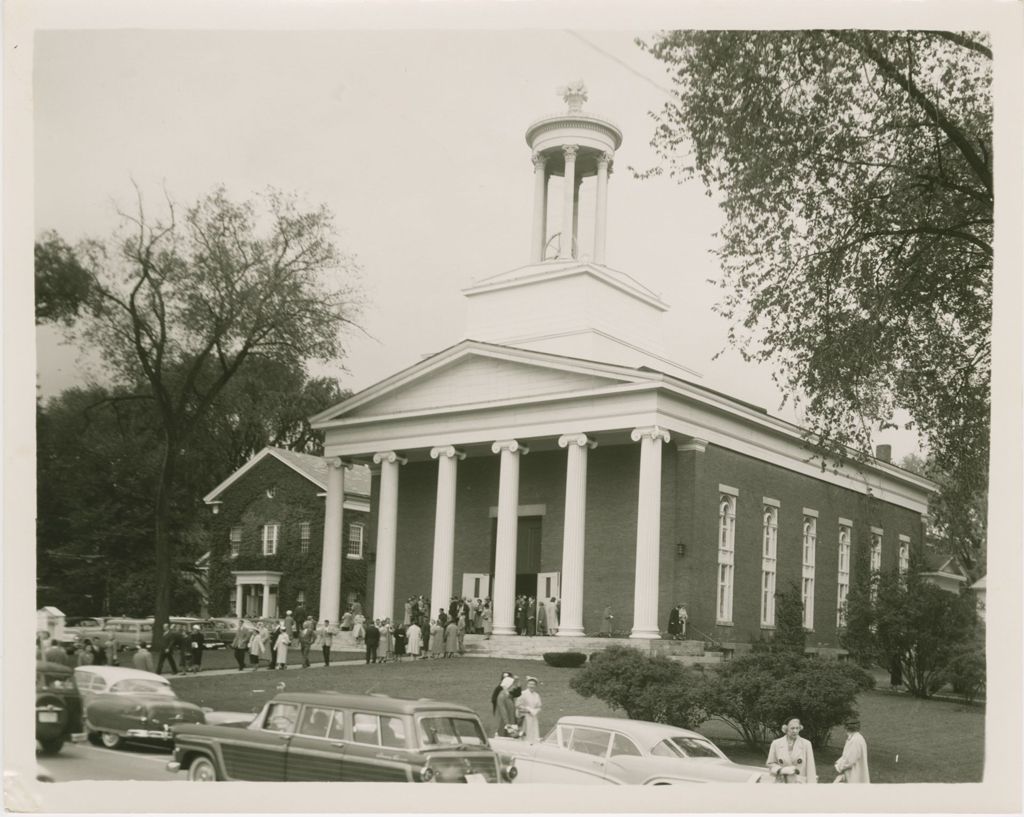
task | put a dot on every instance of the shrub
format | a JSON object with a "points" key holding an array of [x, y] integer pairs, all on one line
{"points": [[646, 687], [565, 659], [756, 693], [790, 635], [922, 627], [966, 671]]}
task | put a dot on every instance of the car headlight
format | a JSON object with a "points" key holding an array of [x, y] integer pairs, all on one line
{"points": [[426, 774]]}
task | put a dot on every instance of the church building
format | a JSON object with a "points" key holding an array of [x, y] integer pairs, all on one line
{"points": [[558, 452]]}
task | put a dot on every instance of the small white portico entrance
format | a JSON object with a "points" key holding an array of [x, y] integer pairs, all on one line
{"points": [[256, 593]]}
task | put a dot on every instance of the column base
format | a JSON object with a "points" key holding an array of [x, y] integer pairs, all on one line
{"points": [[570, 632], [642, 632], [496, 630]]}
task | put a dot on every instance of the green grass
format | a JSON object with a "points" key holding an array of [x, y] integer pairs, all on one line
{"points": [[916, 732]]}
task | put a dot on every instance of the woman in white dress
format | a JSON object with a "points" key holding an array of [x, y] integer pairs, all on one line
{"points": [[414, 638], [528, 706], [358, 627], [281, 650]]}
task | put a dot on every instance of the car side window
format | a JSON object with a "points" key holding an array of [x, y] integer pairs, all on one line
{"points": [[365, 729], [621, 745], [589, 741], [393, 732], [337, 728], [281, 717], [556, 735], [315, 722]]}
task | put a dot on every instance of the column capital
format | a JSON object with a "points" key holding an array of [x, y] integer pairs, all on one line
{"points": [[605, 160], [576, 439], [570, 151], [656, 433], [539, 160], [512, 446], [693, 444], [339, 462], [390, 457], [446, 451]]}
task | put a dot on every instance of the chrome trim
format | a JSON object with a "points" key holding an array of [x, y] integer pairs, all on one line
{"points": [[173, 766]]}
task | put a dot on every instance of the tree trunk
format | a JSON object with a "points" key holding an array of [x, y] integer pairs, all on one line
{"points": [[163, 542]]}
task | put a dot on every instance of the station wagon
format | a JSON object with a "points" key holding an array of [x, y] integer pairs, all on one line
{"points": [[337, 737]]}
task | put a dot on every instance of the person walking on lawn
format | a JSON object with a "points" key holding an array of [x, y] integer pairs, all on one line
{"points": [[173, 642], [196, 645], [325, 635], [240, 643], [307, 635], [791, 758], [372, 639], [143, 658], [283, 642], [853, 764]]}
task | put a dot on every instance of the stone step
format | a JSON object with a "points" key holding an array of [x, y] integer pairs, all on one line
{"points": [[512, 646]]}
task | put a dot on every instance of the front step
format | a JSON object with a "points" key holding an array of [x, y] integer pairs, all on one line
{"points": [[518, 646]]}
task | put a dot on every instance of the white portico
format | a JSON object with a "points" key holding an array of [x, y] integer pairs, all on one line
{"points": [[561, 442]]}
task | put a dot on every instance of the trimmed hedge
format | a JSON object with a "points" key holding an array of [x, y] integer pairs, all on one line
{"points": [[565, 659]]}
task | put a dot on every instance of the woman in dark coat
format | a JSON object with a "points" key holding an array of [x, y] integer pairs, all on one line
{"points": [[673, 623]]}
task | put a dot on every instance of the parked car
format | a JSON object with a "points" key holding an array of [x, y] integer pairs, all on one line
{"points": [[211, 634], [620, 751], [227, 629], [78, 628], [338, 737], [129, 632], [58, 707], [123, 703]]}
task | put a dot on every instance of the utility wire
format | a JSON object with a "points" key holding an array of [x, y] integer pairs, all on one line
{"points": [[620, 61]]}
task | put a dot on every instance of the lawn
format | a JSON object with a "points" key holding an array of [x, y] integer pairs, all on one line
{"points": [[908, 739]]}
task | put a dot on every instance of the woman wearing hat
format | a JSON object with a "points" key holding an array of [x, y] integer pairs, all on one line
{"points": [[853, 765], [505, 710], [791, 758], [528, 707]]}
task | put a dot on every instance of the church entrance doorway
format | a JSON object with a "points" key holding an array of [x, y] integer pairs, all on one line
{"points": [[528, 539]]}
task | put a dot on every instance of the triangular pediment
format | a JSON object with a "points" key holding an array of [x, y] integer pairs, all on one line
{"points": [[480, 374]]}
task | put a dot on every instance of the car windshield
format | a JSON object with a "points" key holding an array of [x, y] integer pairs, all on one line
{"points": [[685, 746], [450, 730], [144, 686], [59, 681]]}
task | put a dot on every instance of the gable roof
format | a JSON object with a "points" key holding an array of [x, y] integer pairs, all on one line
{"points": [[310, 466]]}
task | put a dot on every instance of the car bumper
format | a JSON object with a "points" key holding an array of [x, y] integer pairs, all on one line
{"points": [[79, 737], [173, 766], [148, 734]]}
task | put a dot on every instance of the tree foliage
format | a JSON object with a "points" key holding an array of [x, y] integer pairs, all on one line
{"points": [[790, 635], [756, 693], [646, 687], [855, 175], [62, 283], [923, 628], [183, 303]]}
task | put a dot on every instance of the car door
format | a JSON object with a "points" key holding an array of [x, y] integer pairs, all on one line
{"points": [[577, 755], [377, 751], [620, 767], [316, 749], [260, 752]]}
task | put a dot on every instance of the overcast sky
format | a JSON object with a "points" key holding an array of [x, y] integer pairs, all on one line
{"points": [[414, 139]]}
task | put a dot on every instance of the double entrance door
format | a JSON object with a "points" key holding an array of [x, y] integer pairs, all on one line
{"points": [[530, 581]]}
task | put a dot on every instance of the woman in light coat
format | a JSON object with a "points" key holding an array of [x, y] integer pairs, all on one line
{"points": [[436, 640], [791, 758], [359, 627], [283, 641], [257, 650], [528, 707], [414, 639]]}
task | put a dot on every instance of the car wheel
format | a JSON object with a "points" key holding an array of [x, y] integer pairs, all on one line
{"points": [[110, 740], [52, 746], [94, 738], [202, 770]]}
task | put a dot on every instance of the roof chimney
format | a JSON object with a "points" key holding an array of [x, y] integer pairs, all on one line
{"points": [[883, 453]]}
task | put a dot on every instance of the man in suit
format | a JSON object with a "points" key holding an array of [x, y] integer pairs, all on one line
{"points": [[372, 640]]}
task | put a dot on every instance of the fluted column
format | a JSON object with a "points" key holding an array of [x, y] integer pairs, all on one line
{"points": [[573, 539], [568, 200], [447, 457], [601, 216], [387, 529], [330, 571], [648, 532], [508, 528], [265, 610], [239, 599], [540, 206]]}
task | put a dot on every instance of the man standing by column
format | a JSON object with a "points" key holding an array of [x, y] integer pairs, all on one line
{"points": [[853, 765]]}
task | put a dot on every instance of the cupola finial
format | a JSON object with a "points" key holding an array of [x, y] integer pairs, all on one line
{"points": [[574, 94]]}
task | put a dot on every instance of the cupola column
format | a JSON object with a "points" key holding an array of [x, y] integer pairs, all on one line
{"points": [[648, 532], [540, 206], [569, 192], [604, 162]]}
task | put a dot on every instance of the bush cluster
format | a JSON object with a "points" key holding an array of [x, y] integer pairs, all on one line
{"points": [[755, 693], [565, 659]]}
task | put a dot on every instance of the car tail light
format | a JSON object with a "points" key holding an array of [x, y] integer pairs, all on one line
{"points": [[426, 774]]}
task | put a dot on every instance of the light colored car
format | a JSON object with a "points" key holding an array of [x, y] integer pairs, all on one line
{"points": [[586, 750]]}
